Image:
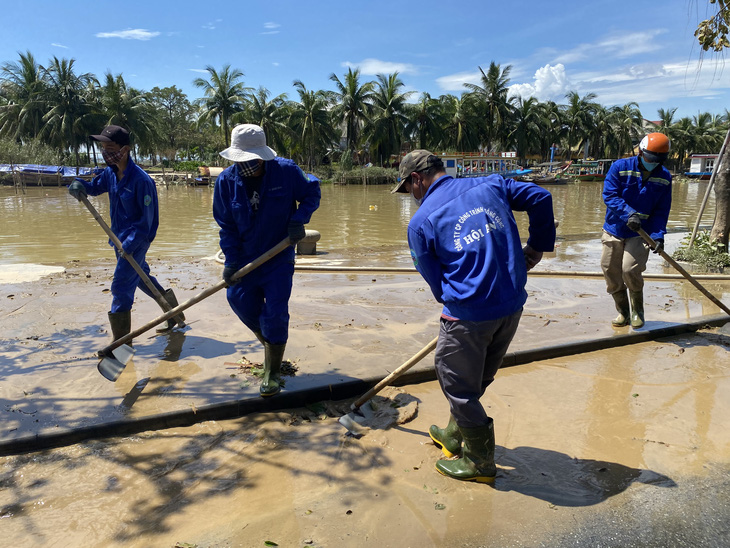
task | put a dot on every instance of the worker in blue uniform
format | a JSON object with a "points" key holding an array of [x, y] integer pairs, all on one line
{"points": [[134, 220], [637, 192], [257, 202], [465, 243]]}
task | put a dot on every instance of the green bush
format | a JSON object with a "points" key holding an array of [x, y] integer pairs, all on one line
{"points": [[30, 152], [188, 165], [703, 253]]}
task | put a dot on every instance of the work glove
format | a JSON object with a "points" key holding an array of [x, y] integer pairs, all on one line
{"points": [[77, 190], [296, 231], [228, 272], [634, 222], [659, 246]]}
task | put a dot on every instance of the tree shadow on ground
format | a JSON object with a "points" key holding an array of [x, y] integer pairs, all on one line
{"points": [[146, 480]]}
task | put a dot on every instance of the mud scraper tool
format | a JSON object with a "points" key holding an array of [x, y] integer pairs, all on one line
{"points": [[114, 358], [359, 414]]}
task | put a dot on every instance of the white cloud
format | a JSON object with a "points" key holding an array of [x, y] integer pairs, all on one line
{"points": [[59, 45], [372, 67], [199, 70], [209, 26], [271, 26], [455, 82], [130, 34], [549, 83], [618, 45], [655, 82]]}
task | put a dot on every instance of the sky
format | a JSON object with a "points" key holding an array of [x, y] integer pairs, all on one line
{"points": [[620, 50]]}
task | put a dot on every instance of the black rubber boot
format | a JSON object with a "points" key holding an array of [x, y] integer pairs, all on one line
{"points": [[621, 299], [121, 324], [477, 460], [171, 299], [448, 439], [260, 337], [637, 308], [273, 355]]}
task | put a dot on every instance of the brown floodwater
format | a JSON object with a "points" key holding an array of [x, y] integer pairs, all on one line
{"points": [[46, 225]]}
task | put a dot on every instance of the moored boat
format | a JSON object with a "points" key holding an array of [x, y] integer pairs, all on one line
{"points": [[589, 170]]}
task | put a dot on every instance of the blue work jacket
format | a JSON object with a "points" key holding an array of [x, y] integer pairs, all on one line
{"points": [[465, 243], [286, 194], [133, 206], [625, 191]]}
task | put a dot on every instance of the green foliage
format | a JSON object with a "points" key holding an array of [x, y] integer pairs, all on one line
{"points": [[712, 33], [703, 253], [31, 152], [188, 165], [346, 160]]}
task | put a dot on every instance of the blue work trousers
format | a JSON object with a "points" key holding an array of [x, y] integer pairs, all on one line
{"points": [[126, 280], [468, 355], [261, 301]]}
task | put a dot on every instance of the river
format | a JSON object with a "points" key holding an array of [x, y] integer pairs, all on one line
{"points": [[366, 223]]}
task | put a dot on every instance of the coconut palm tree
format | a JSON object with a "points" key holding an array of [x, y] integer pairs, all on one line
{"points": [[353, 105], [130, 108], [525, 132], [628, 127], [461, 123], [23, 90], [272, 115], [577, 118], [425, 121], [311, 123], [225, 95], [683, 142], [601, 135], [493, 104], [69, 117], [551, 126], [384, 131]]}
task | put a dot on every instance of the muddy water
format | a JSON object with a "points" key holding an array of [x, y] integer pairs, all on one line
{"points": [[46, 225], [584, 443]]}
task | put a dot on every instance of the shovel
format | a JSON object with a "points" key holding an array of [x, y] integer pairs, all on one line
{"points": [[180, 319], [652, 244], [352, 420], [114, 357]]}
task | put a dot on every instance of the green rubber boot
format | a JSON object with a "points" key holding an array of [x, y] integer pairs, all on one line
{"points": [[637, 308], [621, 298], [477, 456], [448, 439], [121, 324], [273, 355], [171, 299], [259, 336]]}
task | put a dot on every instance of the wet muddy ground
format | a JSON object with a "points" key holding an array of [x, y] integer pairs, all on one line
{"points": [[622, 447]]}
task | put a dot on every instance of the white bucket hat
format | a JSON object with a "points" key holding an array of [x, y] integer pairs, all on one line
{"points": [[248, 142]]}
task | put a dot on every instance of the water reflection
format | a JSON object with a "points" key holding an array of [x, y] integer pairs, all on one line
{"points": [[48, 226]]}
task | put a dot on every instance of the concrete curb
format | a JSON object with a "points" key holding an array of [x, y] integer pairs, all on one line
{"points": [[339, 391]]}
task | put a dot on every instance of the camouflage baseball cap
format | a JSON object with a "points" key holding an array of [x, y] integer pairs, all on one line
{"points": [[418, 160]]}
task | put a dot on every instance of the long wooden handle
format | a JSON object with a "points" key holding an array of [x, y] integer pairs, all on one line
{"points": [[138, 269], [278, 248], [395, 374], [652, 244]]}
